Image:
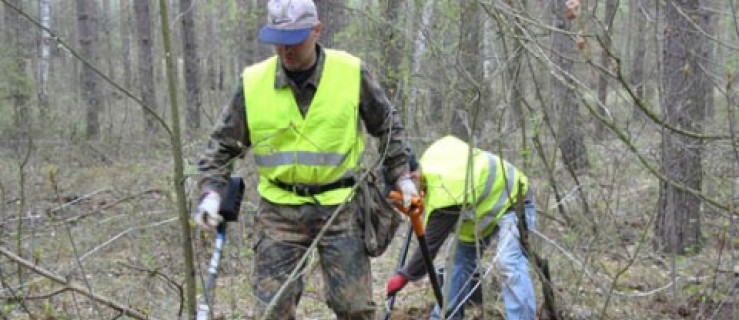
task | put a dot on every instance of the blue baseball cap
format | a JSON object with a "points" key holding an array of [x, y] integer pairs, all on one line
{"points": [[289, 22]]}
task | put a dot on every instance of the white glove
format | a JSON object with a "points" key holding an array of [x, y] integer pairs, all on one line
{"points": [[206, 214], [406, 186]]}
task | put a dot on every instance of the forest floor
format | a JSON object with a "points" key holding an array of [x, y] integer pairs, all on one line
{"points": [[103, 216]]}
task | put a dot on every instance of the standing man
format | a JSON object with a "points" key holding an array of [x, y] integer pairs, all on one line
{"points": [[488, 208], [301, 112]]}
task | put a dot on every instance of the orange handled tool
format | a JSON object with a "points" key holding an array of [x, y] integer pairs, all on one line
{"points": [[415, 212]]}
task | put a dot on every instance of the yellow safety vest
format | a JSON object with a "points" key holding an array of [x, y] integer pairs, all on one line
{"points": [[488, 184], [319, 149]]}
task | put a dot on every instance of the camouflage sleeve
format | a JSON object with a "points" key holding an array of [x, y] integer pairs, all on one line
{"points": [[383, 122], [228, 140]]}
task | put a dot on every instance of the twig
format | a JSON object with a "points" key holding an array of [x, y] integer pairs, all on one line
{"points": [[67, 204], [114, 238], [167, 279], [12, 292], [110, 205], [128, 311], [594, 276], [39, 297]]}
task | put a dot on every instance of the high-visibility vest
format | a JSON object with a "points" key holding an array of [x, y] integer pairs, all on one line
{"points": [[488, 185], [319, 149]]}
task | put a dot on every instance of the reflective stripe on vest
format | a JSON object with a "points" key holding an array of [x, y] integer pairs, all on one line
{"points": [[504, 178], [320, 148], [489, 219], [290, 157]]}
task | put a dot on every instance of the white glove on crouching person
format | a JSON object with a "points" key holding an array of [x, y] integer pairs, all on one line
{"points": [[206, 214], [406, 186]]}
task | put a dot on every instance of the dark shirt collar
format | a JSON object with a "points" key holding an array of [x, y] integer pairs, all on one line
{"points": [[282, 80]]}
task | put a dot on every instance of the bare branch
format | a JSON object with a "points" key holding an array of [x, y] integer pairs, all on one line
{"points": [[126, 310]]}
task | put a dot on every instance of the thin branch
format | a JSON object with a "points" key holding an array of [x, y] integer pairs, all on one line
{"points": [[700, 30], [578, 86], [587, 100], [36, 297], [112, 204], [78, 199], [167, 279], [127, 310], [114, 238], [594, 276], [12, 292], [642, 105]]}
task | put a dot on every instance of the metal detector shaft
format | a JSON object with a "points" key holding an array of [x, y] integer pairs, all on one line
{"points": [[210, 281], [401, 261]]}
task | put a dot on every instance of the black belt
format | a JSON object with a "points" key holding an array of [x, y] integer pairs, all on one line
{"points": [[307, 190], [454, 208]]}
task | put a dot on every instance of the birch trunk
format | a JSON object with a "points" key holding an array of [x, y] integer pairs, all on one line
{"points": [[44, 58]]}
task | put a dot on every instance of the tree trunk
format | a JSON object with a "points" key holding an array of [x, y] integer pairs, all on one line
{"points": [[330, 13], [17, 88], [463, 122], [44, 59], [513, 83], [192, 64], [125, 34], [221, 13], [91, 91], [569, 138], [605, 60], [247, 39], [178, 178], [709, 25], [212, 58], [106, 25], [425, 17], [640, 50], [391, 49], [146, 61], [683, 80]]}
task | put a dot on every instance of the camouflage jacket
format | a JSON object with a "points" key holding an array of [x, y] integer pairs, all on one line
{"points": [[230, 137]]}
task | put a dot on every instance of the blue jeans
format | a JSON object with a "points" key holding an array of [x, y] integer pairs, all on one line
{"points": [[517, 288]]}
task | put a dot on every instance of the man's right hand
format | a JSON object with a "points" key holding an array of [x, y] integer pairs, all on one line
{"points": [[395, 284], [407, 187], [206, 214]]}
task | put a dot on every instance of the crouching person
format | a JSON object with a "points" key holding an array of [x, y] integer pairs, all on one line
{"points": [[487, 210]]}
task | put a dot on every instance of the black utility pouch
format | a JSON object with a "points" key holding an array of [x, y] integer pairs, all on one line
{"points": [[231, 203]]}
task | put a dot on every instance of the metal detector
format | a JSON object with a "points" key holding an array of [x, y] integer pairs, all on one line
{"points": [[210, 281], [230, 212]]}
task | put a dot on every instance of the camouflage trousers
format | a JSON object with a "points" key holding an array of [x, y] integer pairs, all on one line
{"points": [[283, 236]]}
